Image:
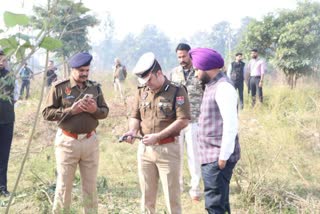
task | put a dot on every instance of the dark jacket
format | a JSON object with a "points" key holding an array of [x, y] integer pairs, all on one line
{"points": [[7, 82]]}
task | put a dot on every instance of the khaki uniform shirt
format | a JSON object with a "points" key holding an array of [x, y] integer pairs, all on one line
{"points": [[118, 72], [156, 110], [61, 97], [194, 87]]}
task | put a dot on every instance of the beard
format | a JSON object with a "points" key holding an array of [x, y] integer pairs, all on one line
{"points": [[205, 78]]}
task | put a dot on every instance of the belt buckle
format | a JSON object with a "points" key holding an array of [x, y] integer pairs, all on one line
{"points": [[81, 136]]}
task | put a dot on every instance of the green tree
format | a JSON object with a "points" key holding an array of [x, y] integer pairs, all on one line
{"points": [[289, 38], [19, 46], [67, 21], [298, 45]]}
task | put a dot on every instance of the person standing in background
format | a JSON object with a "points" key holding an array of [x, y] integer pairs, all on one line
{"points": [[51, 74], [119, 76], [25, 74], [236, 73], [256, 68], [9, 94], [185, 75]]}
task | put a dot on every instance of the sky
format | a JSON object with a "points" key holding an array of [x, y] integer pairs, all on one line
{"points": [[176, 18]]}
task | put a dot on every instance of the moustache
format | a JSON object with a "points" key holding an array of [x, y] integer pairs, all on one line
{"points": [[84, 76], [183, 63]]}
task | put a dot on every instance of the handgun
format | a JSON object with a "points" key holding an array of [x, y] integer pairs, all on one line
{"points": [[124, 138]]}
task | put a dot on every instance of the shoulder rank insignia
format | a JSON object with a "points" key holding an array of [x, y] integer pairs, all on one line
{"points": [[175, 84], [56, 83], [92, 83]]}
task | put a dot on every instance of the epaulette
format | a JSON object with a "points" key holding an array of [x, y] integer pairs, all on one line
{"points": [[141, 86], [175, 84], [178, 85], [59, 82], [94, 83]]}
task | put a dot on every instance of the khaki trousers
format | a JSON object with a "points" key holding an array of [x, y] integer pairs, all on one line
{"points": [[118, 87], [69, 153], [159, 161]]}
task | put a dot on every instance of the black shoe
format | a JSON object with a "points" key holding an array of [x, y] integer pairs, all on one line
{"points": [[4, 193]]}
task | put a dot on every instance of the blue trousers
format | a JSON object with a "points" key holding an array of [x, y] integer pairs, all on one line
{"points": [[25, 85], [216, 187], [6, 134], [239, 86], [254, 87]]}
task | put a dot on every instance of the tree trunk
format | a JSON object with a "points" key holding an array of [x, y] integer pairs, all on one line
{"points": [[295, 78], [65, 68], [290, 80]]}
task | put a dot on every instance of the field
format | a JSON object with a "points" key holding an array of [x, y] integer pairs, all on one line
{"points": [[279, 170]]}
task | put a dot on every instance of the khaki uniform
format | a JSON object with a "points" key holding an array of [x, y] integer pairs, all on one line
{"points": [[76, 142], [118, 79], [156, 112], [189, 134]]}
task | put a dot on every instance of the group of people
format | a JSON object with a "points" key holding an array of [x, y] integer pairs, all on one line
{"points": [[26, 74], [196, 105], [253, 73], [9, 95]]}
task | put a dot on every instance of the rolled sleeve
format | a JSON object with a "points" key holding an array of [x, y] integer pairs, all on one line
{"points": [[135, 112]]}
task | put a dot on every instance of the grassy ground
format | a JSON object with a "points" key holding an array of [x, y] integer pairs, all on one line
{"points": [[278, 171]]}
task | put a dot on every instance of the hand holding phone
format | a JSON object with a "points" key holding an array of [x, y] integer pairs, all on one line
{"points": [[87, 96], [88, 104]]}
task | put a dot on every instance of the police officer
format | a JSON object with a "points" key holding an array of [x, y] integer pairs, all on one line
{"points": [[185, 75], [160, 111], [119, 76], [9, 93], [76, 104]]}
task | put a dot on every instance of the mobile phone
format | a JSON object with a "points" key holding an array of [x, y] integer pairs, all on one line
{"points": [[87, 96]]}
